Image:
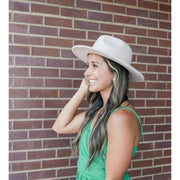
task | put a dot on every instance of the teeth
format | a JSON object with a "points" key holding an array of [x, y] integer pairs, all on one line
{"points": [[92, 81]]}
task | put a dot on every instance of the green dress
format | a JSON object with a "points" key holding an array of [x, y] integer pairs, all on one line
{"points": [[96, 170]]}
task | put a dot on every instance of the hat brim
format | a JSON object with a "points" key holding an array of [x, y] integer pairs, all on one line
{"points": [[82, 51]]}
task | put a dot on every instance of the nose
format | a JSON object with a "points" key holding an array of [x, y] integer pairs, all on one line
{"points": [[87, 72]]}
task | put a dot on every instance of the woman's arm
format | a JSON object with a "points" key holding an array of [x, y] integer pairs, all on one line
{"points": [[121, 139], [67, 122]]}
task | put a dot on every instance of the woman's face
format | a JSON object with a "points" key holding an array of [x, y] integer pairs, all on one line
{"points": [[98, 74]]}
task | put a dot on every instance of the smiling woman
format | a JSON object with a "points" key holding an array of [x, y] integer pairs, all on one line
{"points": [[110, 131]]}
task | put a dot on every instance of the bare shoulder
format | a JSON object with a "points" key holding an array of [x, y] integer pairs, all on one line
{"points": [[121, 119]]}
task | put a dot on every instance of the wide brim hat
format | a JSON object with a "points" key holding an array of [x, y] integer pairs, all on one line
{"points": [[112, 48]]}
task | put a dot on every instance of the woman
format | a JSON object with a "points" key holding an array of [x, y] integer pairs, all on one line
{"points": [[110, 131]]}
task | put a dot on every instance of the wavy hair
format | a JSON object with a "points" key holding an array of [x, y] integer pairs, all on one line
{"points": [[98, 136]]}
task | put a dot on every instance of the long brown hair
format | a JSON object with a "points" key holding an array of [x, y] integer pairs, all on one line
{"points": [[98, 136]]}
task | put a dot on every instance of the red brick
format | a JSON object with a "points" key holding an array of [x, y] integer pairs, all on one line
{"points": [[168, 136], [55, 103], [124, 19], [44, 72], [148, 94], [133, 173], [152, 154], [148, 4], [28, 82], [67, 93], [28, 104], [152, 103], [99, 16], [147, 41], [60, 63], [42, 174], [163, 128], [41, 154], [158, 51], [127, 2], [64, 152], [19, 6], [156, 68], [165, 7], [18, 93], [58, 83], [65, 53], [43, 30], [40, 134], [147, 23], [43, 114], [18, 114], [27, 125], [167, 152], [73, 13], [164, 94], [162, 145], [26, 145], [165, 43], [66, 172], [153, 137], [167, 168], [113, 8], [60, 22], [164, 25], [154, 85], [45, 52], [162, 176], [72, 33], [164, 77], [164, 111], [154, 120], [128, 39], [43, 93], [30, 61], [17, 156], [88, 5], [40, 8], [111, 28], [162, 161], [86, 25], [154, 170], [17, 135], [21, 166], [135, 31], [142, 163], [18, 71], [147, 59], [62, 2], [137, 12], [30, 19], [17, 176], [58, 42], [20, 28], [21, 50], [55, 163], [28, 40], [72, 73], [157, 33], [56, 143], [139, 49]]}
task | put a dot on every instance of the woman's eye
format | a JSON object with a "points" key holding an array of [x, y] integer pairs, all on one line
{"points": [[87, 66], [94, 65]]}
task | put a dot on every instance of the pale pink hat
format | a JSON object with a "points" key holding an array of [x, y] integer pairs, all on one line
{"points": [[112, 48]]}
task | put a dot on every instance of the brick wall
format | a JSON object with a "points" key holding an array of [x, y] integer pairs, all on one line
{"points": [[44, 74]]}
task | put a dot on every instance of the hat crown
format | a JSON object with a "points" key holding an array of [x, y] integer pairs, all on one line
{"points": [[115, 47]]}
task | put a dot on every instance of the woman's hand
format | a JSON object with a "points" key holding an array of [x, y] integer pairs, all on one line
{"points": [[84, 87]]}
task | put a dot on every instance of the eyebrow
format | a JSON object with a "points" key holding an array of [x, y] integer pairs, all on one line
{"points": [[94, 62]]}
